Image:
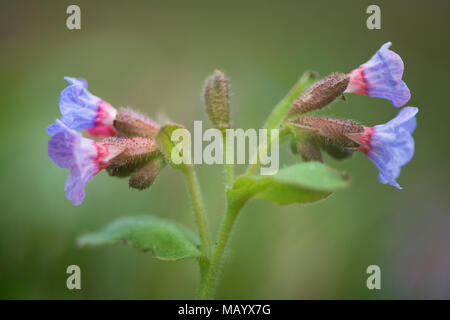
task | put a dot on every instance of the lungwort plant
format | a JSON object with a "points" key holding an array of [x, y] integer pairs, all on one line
{"points": [[137, 147]]}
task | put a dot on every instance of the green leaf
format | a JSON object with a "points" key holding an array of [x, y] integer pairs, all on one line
{"points": [[168, 240], [302, 183], [281, 109], [171, 149]]}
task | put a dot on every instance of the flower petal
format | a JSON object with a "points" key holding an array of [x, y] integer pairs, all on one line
{"points": [[381, 77], [68, 149], [392, 145]]}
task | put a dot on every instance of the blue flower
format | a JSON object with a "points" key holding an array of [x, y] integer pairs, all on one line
{"points": [[81, 110], [381, 77], [83, 157], [390, 146]]}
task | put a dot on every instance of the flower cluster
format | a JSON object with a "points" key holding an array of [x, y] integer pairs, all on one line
{"points": [[389, 146], [128, 149]]}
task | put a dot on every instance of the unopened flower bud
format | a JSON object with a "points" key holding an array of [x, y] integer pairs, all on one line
{"points": [[307, 148], [145, 176], [135, 150], [320, 94], [122, 171], [216, 97], [133, 123], [335, 130], [335, 151]]}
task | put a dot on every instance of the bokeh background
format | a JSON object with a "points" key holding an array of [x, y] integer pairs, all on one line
{"points": [[154, 56]]}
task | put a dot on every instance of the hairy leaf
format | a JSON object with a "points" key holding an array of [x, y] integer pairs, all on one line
{"points": [[301, 183], [281, 109], [168, 240]]}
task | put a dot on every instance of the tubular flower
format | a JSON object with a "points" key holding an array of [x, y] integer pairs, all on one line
{"points": [[81, 110], [381, 77], [84, 158], [389, 146]]}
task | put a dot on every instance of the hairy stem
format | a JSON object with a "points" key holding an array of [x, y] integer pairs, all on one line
{"points": [[262, 149], [256, 162], [199, 210], [208, 284], [228, 165], [278, 114]]}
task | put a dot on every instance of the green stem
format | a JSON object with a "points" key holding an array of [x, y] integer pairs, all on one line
{"points": [[209, 282], [278, 114], [203, 263], [199, 210], [228, 165], [253, 167], [263, 148]]}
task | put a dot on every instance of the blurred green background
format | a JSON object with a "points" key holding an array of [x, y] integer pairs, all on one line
{"points": [[154, 56]]}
